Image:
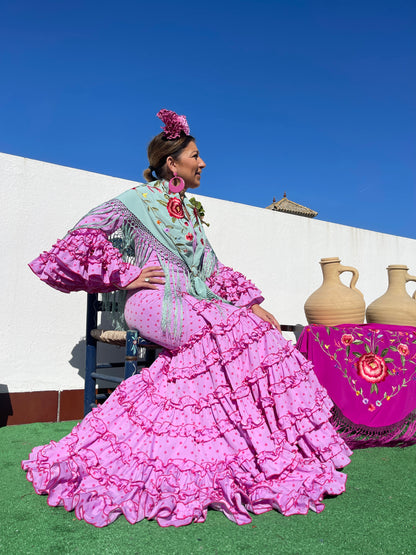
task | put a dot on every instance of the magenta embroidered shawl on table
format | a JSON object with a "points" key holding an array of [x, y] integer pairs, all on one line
{"points": [[370, 374]]}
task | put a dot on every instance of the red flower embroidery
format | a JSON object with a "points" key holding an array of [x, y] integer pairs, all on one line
{"points": [[371, 407], [372, 368], [175, 208], [403, 349], [347, 339], [202, 241], [189, 237]]}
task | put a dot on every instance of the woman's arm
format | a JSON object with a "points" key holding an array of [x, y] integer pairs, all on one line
{"points": [[266, 316], [85, 260], [234, 287]]}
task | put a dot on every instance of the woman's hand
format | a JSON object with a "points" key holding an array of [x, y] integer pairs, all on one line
{"points": [[266, 316], [149, 278]]}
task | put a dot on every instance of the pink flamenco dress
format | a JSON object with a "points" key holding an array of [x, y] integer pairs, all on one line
{"points": [[230, 416]]}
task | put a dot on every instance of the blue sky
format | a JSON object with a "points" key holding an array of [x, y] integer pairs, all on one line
{"points": [[316, 98]]}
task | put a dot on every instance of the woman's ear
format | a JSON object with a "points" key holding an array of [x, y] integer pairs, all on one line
{"points": [[171, 164]]}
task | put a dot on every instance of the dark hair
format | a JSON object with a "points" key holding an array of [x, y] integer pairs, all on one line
{"points": [[159, 149]]}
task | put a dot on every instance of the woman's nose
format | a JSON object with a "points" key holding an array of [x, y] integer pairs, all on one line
{"points": [[202, 163]]}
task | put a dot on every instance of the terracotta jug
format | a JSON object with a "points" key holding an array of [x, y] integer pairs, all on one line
{"points": [[334, 303], [396, 306]]}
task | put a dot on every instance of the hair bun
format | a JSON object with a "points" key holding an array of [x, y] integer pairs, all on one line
{"points": [[148, 174]]}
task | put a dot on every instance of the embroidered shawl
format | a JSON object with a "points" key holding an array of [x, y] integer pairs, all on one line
{"points": [[152, 219]]}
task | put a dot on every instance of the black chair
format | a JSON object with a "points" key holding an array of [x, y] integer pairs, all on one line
{"points": [[296, 329], [139, 354]]}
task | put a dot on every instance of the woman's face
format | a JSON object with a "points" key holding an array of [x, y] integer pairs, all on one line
{"points": [[188, 166]]}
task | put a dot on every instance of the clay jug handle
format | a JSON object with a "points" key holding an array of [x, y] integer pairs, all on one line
{"points": [[354, 277], [411, 278]]}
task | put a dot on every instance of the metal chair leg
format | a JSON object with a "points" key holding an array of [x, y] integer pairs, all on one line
{"points": [[130, 366], [91, 354]]}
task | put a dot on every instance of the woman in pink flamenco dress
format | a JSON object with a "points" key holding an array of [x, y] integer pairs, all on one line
{"points": [[230, 416]]}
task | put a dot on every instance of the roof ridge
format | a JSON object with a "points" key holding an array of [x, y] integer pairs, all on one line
{"points": [[291, 207]]}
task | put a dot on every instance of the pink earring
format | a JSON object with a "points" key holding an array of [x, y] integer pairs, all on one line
{"points": [[176, 188]]}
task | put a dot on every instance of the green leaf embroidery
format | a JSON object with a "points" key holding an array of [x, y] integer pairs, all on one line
{"points": [[367, 349]]}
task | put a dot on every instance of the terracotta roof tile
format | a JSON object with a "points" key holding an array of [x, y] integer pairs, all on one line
{"points": [[290, 207]]}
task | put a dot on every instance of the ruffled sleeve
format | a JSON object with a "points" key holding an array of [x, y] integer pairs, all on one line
{"points": [[85, 260], [234, 287]]}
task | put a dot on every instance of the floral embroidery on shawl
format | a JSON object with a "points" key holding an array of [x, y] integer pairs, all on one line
{"points": [[381, 361]]}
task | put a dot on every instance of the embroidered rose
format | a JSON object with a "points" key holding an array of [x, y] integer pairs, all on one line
{"points": [[189, 237], [347, 339], [403, 349], [175, 209], [372, 368]]}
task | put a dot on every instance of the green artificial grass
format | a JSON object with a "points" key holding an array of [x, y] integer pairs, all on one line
{"points": [[375, 515]]}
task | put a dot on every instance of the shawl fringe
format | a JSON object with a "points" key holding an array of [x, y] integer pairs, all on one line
{"points": [[136, 243], [358, 436]]}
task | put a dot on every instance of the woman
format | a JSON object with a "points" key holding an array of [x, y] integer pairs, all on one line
{"points": [[230, 416]]}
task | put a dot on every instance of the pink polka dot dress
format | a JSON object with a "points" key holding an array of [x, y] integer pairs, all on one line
{"points": [[229, 417]]}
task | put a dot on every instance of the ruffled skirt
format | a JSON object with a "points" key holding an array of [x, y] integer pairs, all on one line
{"points": [[234, 420]]}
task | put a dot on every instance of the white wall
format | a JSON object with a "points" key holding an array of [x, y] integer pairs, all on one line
{"points": [[42, 340]]}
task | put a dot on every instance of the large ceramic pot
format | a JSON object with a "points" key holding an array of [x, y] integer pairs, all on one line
{"points": [[396, 306], [334, 303]]}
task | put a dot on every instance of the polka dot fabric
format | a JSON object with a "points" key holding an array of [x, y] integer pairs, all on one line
{"points": [[230, 417]]}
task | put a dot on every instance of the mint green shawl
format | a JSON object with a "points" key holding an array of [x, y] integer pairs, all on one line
{"points": [[154, 220]]}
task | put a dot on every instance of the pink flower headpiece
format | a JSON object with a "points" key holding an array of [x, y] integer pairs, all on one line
{"points": [[174, 124]]}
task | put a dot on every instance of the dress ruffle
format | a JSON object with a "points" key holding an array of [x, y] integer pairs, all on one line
{"points": [[85, 260], [234, 287], [234, 420]]}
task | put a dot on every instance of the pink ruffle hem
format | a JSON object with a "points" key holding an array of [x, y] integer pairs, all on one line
{"points": [[235, 420]]}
